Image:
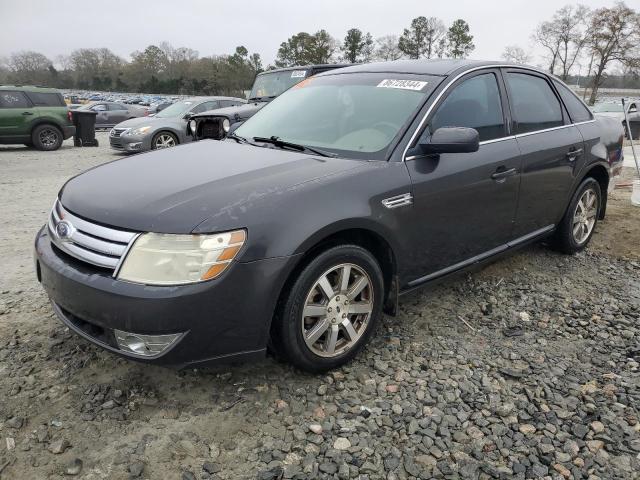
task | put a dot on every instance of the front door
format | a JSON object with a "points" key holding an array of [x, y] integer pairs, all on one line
{"points": [[552, 150], [464, 204]]}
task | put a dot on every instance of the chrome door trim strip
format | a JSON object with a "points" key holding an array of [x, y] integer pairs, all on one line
{"points": [[480, 257], [496, 140], [460, 75]]}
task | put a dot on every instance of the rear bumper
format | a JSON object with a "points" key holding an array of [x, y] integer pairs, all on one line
{"points": [[226, 319], [68, 131]]}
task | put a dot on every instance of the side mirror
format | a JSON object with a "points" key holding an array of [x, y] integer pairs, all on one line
{"points": [[448, 140], [188, 115], [633, 108]]}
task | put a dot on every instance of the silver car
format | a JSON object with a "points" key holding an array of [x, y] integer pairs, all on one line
{"points": [[109, 114], [165, 129]]}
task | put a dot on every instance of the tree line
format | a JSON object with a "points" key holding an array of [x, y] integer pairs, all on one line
{"points": [[581, 43], [577, 41], [164, 68]]}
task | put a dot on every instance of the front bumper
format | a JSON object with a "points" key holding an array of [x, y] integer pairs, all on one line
{"points": [[225, 319], [130, 143]]}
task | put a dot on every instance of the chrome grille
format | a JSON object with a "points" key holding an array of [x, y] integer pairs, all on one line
{"points": [[86, 241], [117, 132]]}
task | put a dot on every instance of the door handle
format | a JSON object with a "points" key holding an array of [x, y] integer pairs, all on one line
{"points": [[27, 113], [573, 154], [501, 174]]}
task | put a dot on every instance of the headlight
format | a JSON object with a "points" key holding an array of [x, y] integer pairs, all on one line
{"points": [[226, 125], [192, 126], [168, 259], [139, 130]]}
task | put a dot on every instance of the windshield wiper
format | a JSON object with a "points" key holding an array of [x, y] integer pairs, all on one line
{"points": [[261, 99], [238, 138], [295, 146]]}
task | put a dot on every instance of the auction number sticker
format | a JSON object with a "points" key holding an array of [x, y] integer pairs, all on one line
{"points": [[404, 84], [298, 74]]}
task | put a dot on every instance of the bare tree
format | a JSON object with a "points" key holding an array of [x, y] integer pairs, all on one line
{"points": [[29, 67], [388, 48], [546, 35], [614, 37], [516, 54]]}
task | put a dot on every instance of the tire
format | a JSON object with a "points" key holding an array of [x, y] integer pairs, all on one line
{"points": [[361, 311], [46, 137], [165, 138], [579, 218]]}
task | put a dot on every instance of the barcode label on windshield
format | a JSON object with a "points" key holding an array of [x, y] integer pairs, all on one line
{"points": [[404, 84], [298, 74]]}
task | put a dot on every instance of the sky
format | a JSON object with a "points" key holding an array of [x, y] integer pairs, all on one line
{"points": [[55, 27]]}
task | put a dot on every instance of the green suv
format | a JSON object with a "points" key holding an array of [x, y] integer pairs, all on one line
{"points": [[35, 116]]}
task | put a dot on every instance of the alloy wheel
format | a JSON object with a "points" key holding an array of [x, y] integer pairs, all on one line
{"points": [[48, 137], [164, 140], [337, 310], [584, 216]]}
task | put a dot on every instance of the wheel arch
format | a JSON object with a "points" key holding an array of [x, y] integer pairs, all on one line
{"points": [[366, 237], [168, 130], [601, 174]]}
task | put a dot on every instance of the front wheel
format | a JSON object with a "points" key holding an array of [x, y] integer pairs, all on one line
{"points": [[164, 140], [579, 222], [331, 309]]}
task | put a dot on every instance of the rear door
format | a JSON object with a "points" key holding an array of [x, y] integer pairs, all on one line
{"points": [[117, 113], [465, 204], [551, 146], [102, 114], [16, 113]]}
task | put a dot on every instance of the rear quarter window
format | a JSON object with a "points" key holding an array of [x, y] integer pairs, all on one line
{"points": [[577, 110], [41, 99]]}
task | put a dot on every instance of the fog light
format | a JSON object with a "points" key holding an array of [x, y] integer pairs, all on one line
{"points": [[134, 146], [145, 345]]}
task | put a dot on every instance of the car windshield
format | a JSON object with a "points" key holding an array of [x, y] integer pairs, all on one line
{"points": [[353, 115], [270, 85], [607, 107], [176, 110]]}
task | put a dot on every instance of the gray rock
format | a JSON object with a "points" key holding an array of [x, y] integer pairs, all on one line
{"points": [[74, 467]]}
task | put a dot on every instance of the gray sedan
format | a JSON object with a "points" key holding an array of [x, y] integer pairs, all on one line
{"points": [[165, 129], [109, 114]]}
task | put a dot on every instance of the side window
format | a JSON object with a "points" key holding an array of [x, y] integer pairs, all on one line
{"points": [[100, 107], [46, 99], [10, 99], [534, 105], [203, 107], [114, 107], [577, 110], [475, 103]]}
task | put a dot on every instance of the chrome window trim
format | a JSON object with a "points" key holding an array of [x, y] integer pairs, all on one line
{"points": [[494, 140]]}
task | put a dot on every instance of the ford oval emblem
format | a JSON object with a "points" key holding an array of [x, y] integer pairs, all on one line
{"points": [[64, 230]]}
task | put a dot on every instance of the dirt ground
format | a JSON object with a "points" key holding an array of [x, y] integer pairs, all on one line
{"points": [[527, 368]]}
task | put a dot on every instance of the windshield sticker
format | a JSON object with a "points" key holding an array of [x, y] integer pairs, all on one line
{"points": [[298, 74], [188, 103], [404, 84], [303, 83]]}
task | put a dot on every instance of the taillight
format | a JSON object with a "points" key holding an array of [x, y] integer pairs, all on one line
{"points": [[70, 115]]}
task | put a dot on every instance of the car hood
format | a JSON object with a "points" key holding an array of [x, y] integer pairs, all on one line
{"points": [[174, 190], [238, 113]]}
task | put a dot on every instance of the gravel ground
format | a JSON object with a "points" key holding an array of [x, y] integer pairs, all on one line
{"points": [[528, 368]]}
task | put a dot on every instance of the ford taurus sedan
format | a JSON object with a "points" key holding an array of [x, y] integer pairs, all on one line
{"points": [[319, 212]]}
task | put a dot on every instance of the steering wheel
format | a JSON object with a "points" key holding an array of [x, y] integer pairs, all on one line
{"points": [[387, 128]]}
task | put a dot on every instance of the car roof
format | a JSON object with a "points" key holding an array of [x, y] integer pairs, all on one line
{"points": [[322, 66], [30, 88], [438, 67]]}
